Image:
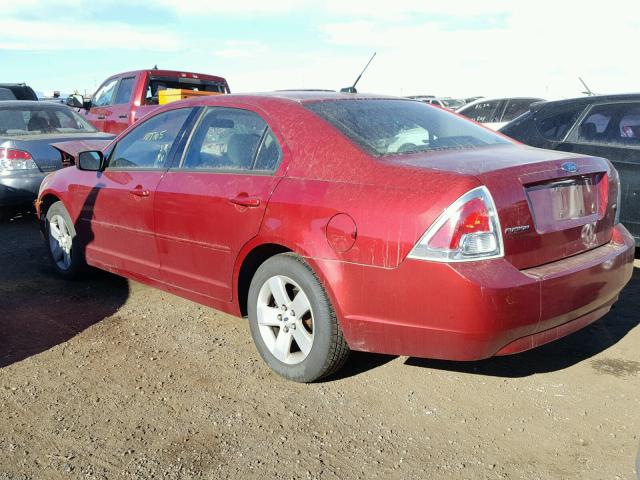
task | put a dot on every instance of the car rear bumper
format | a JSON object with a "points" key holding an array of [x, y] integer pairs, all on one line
{"points": [[18, 189], [475, 310]]}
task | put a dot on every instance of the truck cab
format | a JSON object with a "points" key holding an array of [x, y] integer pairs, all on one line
{"points": [[124, 98]]}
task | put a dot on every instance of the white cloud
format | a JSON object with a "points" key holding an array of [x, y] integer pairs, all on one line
{"points": [[47, 35], [242, 49], [238, 7]]}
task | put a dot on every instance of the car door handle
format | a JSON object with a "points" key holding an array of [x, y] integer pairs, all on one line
{"points": [[245, 200], [139, 191], [101, 117], [122, 116]]}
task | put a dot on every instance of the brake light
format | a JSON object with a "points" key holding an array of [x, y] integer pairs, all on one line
{"points": [[468, 230], [615, 180], [13, 159], [603, 194]]}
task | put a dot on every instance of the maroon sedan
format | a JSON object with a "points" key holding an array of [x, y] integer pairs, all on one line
{"points": [[340, 222]]}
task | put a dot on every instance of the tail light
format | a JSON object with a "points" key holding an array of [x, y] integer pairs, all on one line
{"points": [[12, 159], [468, 230], [615, 180]]}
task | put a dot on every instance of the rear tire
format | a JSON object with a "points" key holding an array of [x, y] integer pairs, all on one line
{"points": [[303, 345], [63, 244]]}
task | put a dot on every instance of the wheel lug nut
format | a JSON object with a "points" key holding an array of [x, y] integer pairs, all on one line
{"points": [[286, 329], [292, 326], [284, 308], [279, 317], [293, 314]]}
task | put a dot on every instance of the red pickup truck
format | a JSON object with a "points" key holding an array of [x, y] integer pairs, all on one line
{"points": [[126, 97]]}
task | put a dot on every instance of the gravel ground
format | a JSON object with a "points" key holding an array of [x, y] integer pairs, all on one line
{"points": [[107, 378]]}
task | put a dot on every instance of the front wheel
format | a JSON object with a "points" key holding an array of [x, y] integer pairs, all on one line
{"points": [[292, 321], [62, 242]]}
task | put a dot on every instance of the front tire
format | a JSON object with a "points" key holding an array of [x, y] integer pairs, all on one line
{"points": [[292, 321], [63, 244]]}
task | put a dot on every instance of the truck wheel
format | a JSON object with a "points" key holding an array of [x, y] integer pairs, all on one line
{"points": [[63, 246], [292, 321]]}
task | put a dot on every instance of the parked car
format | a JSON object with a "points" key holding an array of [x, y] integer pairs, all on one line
{"points": [[19, 91], [126, 97], [27, 130], [444, 102], [496, 112], [605, 126], [290, 208]]}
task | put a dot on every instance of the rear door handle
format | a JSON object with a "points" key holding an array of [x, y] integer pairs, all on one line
{"points": [[122, 116], [139, 191], [101, 117], [245, 200]]}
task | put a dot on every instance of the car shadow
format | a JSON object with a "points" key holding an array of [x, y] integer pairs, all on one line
{"points": [[40, 309], [561, 353], [359, 362]]}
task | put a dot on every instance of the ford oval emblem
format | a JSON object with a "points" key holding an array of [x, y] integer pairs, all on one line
{"points": [[569, 167]]}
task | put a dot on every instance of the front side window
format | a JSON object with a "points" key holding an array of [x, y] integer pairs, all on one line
{"points": [[516, 107], [104, 95], [387, 127], [234, 140], [148, 145], [125, 89]]}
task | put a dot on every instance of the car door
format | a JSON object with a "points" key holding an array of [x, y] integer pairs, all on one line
{"points": [[119, 207], [212, 202], [100, 104], [612, 131], [117, 118]]}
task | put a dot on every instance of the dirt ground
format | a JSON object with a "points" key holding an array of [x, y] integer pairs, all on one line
{"points": [[107, 379]]}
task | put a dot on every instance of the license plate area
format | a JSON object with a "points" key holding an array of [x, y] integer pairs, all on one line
{"points": [[565, 203]]}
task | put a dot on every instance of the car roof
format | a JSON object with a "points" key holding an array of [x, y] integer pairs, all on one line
{"points": [[160, 73], [587, 100], [287, 96]]}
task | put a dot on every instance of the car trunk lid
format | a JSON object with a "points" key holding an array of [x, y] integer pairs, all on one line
{"points": [[551, 204]]}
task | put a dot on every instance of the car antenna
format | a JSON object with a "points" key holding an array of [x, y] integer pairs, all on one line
{"points": [[352, 88], [588, 90]]}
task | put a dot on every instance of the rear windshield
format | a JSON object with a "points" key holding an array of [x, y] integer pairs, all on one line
{"points": [[36, 120], [389, 127], [157, 84]]}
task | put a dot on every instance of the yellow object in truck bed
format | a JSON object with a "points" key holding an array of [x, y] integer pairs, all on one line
{"points": [[173, 94]]}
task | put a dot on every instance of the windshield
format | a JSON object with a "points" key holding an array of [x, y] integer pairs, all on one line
{"points": [[38, 120], [387, 127]]}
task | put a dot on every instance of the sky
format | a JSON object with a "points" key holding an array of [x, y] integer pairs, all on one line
{"points": [[457, 48]]}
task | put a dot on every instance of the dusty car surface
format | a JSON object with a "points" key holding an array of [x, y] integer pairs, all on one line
{"points": [[27, 130], [602, 125], [291, 208]]}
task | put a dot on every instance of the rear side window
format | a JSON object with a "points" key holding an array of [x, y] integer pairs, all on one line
{"points": [[611, 124], [125, 89], [483, 112], [148, 145], [231, 139], [555, 126], [387, 127]]}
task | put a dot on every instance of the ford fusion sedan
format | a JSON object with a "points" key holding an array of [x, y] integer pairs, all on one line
{"points": [[339, 222], [27, 130]]}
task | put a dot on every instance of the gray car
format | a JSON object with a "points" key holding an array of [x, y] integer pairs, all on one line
{"points": [[27, 130]]}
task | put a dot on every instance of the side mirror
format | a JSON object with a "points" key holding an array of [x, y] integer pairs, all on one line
{"points": [[75, 101], [91, 161]]}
